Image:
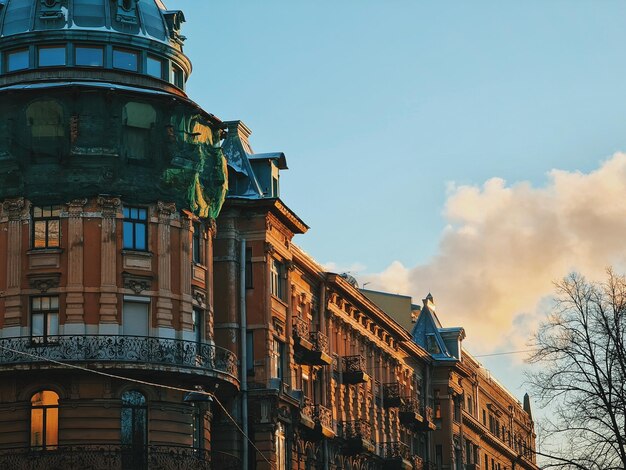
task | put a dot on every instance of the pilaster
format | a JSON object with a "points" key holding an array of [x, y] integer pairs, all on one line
{"points": [[108, 258], [75, 299], [164, 300], [15, 209]]}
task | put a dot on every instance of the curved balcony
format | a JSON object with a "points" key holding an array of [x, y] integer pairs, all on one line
{"points": [[127, 351], [116, 457]]}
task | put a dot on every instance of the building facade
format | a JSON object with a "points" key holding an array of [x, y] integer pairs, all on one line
{"points": [[110, 182], [155, 311]]}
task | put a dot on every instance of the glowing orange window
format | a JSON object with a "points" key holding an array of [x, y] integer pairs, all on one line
{"points": [[44, 420]]}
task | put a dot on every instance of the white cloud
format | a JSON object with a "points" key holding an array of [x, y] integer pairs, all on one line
{"points": [[505, 245]]}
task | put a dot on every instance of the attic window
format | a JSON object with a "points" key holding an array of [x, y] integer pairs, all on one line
{"points": [[431, 344]]}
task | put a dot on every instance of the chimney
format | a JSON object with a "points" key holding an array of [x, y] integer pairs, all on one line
{"points": [[429, 303]]}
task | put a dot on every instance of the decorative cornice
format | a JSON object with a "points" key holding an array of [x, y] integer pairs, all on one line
{"points": [[75, 207], [165, 211], [44, 282], [14, 208]]}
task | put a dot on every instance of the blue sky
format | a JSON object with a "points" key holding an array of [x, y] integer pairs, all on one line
{"points": [[421, 138], [378, 105]]}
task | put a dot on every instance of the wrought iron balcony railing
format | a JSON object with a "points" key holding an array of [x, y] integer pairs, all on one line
{"points": [[357, 429], [116, 457], [392, 397], [117, 348], [395, 450], [354, 369]]}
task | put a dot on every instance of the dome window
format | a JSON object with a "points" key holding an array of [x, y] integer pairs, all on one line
{"points": [[16, 60], [89, 56], [125, 60], [178, 76], [51, 56], [154, 67]]}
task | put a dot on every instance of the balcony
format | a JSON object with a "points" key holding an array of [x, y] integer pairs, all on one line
{"points": [[357, 436], [354, 370], [410, 415], [116, 457], [397, 456], [134, 352], [391, 395], [317, 421], [310, 348]]}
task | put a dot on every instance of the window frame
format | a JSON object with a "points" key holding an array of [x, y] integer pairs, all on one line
{"points": [[51, 47], [277, 282], [155, 59], [45, 412], [78, 47], [134, 222], [197, 252], [129, 52], [12, 52], [46, 337], [46, 219]]}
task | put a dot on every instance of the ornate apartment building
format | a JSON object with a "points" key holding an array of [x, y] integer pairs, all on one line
{"points": [[154, 310]]}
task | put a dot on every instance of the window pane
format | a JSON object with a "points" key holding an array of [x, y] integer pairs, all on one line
{"points": [[50, 56], [37, 324], [154, 67], [128, 234], [53, 324], [40, 234], [126, 212], [125, 60], [36, 427], [133, 213], [52, 427], [89, 56], [54, 303], [140, 236], [53, 233], [142, 214], [37, 211], [17, 60]]}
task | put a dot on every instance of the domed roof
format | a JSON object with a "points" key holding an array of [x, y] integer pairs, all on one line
{"points": [[145, 18]]}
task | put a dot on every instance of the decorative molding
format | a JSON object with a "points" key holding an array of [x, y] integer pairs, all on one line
{"points": [[14, 208], [199, 298], [269, 248], [136, 283], [44, 282], [165, 211], [109, 205], [75, 207]]}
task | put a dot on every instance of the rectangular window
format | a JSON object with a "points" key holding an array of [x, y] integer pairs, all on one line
{"points": [[51, 56], [89, 56], [470, 405], [276, 281], [457, 410], [154, 67], [135, 320], [250, 352], [249, 281], [178, 77], [44, 319], [125, 60], [17, 60], [197, 319], [197, 243], [135, 228], [46, 227], [277, 359]]}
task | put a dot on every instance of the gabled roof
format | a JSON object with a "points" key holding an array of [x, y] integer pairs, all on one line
{"points": [[427, 333]]}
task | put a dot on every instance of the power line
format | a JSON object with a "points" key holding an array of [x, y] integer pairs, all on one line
{"points": [[144, 382], [504, 353]]}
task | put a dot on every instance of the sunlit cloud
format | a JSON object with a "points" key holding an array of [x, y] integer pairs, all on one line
{"points": [[506, 244]]}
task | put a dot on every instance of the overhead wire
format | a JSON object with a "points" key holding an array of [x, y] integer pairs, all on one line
{"points": [[143, 382]]}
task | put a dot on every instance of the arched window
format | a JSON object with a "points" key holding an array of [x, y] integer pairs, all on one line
{"points": [[134, 419], [44, 420], [134, 430]]}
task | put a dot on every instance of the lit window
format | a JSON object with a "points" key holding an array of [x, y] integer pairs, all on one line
{"points": [[46, 227], [88, 56], [51, 56], [281, 448], [125, 60], [276, 359], [135, 228], [154, 67], [44, 319], [44, 420], [17, 60], [276, 281]]}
